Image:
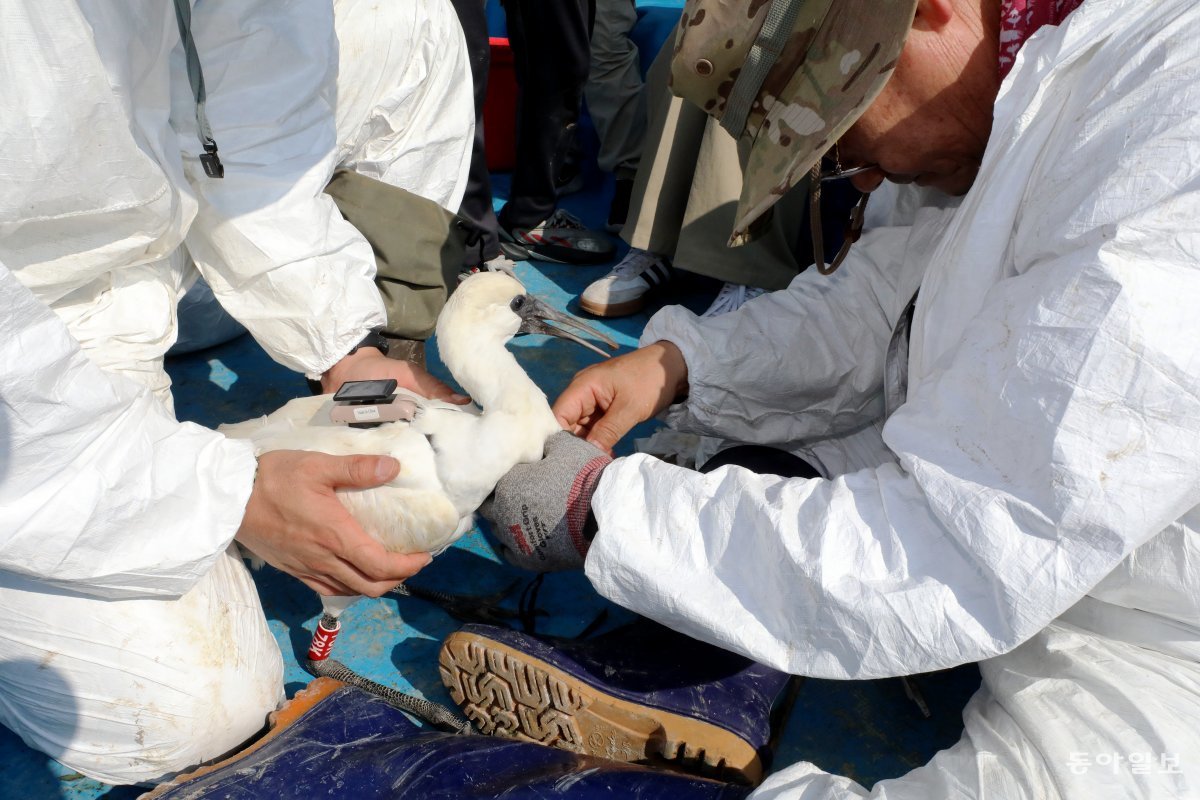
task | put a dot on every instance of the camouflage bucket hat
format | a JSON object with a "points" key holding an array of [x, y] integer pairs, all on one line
{"points": [[790, 76]]}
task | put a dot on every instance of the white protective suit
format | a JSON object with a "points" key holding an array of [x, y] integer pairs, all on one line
{"points": [[1035, 508], [134, 643]]}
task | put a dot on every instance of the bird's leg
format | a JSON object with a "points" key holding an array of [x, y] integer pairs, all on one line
{"points": [[469, 608], [328, 628], [913, 692], [320, 664]]}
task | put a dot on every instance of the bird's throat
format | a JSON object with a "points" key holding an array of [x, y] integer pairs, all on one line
{"points": [[496, 382]]}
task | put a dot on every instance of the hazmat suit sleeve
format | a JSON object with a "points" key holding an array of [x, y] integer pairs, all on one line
{"points": [[273, 247], [1054, 436], [89, 459], [802, 363]]}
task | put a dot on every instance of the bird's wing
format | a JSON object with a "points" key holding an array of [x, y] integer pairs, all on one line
{"points": [[409, 514], [429, 403], [405, 520], [304, 424], [313, 412]]}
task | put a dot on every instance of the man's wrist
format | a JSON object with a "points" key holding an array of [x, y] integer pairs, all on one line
{"points": [[332, 378], [674, 367], [374, 338]]}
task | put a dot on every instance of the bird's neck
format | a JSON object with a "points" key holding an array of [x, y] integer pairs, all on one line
{"points": [[494, 379]]}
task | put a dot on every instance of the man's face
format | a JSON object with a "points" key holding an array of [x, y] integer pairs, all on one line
{"points": [[931, 123]]}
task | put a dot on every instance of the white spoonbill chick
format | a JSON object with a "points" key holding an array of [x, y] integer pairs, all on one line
{"points": [[451, 457]]}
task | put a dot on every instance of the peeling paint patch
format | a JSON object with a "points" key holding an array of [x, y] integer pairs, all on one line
{"points": [[220, 374]]}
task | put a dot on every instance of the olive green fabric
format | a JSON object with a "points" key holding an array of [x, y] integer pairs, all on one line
{"points": [[418, 248]]}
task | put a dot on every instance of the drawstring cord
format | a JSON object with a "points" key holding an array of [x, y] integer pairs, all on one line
{"points": [[853, 228], [211, 162]]}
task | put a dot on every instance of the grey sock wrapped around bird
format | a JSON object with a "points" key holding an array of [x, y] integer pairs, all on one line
{"points": [[540, 512]]}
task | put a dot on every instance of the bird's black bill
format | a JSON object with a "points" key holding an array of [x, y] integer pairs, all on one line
{"points": [[536, 317]]}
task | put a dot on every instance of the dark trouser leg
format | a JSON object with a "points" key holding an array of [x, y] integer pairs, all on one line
{"points": [[551, 55], [476, 205], [763, 460]]}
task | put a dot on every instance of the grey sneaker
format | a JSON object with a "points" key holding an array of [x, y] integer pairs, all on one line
{"points": [[732, 297], [561, 238], [623, 291]]}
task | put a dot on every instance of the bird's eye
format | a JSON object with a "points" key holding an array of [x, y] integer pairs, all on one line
{"points": [[517, 303]]}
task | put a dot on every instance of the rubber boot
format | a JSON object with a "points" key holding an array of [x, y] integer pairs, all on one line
{"points": [[338, 741], [641, 693]]}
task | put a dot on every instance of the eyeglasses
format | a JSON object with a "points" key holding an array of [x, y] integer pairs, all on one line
{"points": [[836, 171], [853, 230]]}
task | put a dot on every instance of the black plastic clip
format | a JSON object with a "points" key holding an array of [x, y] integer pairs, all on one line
{"points": [[211, 162]]}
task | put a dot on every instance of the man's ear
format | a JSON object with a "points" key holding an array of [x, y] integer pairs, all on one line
{"points": [[933, 15]]}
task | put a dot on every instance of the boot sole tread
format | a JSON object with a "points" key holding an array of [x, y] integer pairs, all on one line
{"points": [[506, 692]]}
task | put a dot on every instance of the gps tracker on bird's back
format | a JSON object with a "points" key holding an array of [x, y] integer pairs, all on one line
{"points": [[365, 404], [365, 391]]}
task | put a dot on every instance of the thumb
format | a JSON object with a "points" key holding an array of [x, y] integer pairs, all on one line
{"points": [[363, 472]]}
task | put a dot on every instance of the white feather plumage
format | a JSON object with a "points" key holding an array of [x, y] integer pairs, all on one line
{"points": [[451, 457]]}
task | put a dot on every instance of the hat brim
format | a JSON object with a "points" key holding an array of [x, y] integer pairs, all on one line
{"points": [[846, 66]]}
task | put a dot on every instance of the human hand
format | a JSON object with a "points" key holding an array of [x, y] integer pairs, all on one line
{"points": [[539, 512], [369, 363], [295, 521], [605, 400]]}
